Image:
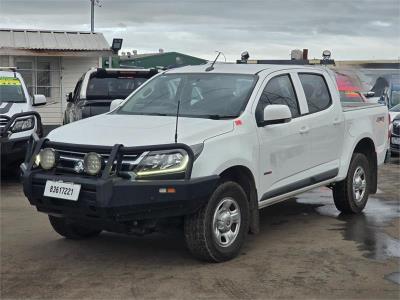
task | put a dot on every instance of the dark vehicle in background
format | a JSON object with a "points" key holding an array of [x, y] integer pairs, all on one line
{"points": [[382, 91], [395, 136], [391, 95], [98, 87]]}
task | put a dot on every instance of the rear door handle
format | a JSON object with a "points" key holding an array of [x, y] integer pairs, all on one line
{"points": [[336, 121], [304, 129]]}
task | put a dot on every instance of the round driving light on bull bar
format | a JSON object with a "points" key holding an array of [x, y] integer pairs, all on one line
{"points": [[47, 158], [92, 163]]}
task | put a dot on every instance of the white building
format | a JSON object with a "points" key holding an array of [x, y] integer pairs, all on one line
{"points": [[51, 62]]}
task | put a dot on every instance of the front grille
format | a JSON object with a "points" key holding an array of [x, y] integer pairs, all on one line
{"points": [[396, 129], [3, 121], [68, 161]]}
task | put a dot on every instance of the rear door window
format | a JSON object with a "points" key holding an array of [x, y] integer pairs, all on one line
{"points": [[316, 92]]}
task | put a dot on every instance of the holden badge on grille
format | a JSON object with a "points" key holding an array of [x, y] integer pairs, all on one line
{"points": [[78, 168]]}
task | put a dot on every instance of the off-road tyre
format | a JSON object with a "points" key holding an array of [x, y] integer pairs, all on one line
{"points": [[198, 226], [71, 230], [343, 195]]}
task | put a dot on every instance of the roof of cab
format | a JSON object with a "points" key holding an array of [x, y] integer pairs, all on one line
{"points": [[232, 68], [9, 74]]}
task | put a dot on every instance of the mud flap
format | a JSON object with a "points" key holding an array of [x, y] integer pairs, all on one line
{"points": [[254, 225]]}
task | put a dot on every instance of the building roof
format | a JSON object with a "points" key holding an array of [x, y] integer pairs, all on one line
{"points": [[52, 40]]}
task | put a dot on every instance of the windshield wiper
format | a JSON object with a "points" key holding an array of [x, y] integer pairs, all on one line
{"points": [[220, 117]]}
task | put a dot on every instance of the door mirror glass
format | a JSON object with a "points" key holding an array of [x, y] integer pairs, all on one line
{"points": [[369, 94], [115, 103], [276, 114], [38, 100], [69, 97]]}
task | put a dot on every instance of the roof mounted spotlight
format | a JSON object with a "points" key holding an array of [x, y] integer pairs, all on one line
{"points": [[326, 58], [244, 56], [116, 45], [326, 54]]}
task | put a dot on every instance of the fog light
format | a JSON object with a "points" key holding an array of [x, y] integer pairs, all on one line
{"points": [[92, 163], [47, 158]]}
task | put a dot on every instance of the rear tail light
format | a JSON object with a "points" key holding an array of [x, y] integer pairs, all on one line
{"points": [[389, 132]]}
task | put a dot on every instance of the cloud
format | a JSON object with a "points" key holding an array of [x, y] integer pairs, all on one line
{"points": [[267, 29], [380, 23]]}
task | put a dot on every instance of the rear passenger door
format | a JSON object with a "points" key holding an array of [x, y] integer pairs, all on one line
{"points": [[325, 119]]}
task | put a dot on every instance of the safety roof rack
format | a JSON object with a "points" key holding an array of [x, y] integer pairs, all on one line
{"points": [[301, 62], [298, 58]]}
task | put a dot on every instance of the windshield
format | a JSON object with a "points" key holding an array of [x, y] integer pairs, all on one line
{"points": [[395, 98], [112, 87], [200, 95], [395, 108], [11, 90]]}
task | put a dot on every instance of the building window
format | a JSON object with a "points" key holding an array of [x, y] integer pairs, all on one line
{"points": [[43, 78]]}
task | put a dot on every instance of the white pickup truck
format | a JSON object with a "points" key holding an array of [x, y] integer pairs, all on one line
{"points": [[209, 146], [17, 119]]}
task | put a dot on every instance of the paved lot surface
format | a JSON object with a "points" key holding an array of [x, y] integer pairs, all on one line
{"points": [[306, 249]]}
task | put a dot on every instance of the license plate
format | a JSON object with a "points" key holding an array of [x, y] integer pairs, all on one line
{"points": [[396, 140], [62, 190]]}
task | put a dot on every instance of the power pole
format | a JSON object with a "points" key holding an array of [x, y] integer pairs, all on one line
{"points": [[91, 15], [92, 4]]}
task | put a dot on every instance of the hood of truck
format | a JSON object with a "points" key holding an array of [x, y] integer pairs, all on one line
{"points": [[10, 108], [138, 130]]}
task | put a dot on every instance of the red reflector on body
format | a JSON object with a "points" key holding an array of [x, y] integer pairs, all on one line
{"points": [[238, 122]]}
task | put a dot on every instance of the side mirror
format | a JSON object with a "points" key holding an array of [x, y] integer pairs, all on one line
{"points": [[38, 100], [69, 97], [115, 103], [369, 94], [276, 114]]}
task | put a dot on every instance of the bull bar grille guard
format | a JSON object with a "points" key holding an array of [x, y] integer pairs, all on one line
{"points": [[116, 153]]}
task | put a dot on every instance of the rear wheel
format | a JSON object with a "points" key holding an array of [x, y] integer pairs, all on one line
{"points": [[72, 230], [217, 231], [351, 194]]}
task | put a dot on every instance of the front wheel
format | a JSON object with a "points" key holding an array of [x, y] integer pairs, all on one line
{"points": [[351, 194], [217, 231], [72, 230]]}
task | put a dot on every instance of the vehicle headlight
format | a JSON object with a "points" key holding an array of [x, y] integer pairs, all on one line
{"points": [[157, 163], [92, 163], [47, 158], [23, 124]]}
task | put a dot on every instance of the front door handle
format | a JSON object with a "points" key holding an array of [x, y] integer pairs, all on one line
{"points": [[304, 129], [336, 121]]}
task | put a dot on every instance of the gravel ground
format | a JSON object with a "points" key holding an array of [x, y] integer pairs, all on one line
{"points": [[305, 249]]}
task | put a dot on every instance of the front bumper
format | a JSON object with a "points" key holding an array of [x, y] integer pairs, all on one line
{"points": [[394, 148], [11, 148], [119, 200], [111, 202]]}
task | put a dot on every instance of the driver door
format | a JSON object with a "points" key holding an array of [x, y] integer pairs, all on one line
{"points": [[284, 148]]}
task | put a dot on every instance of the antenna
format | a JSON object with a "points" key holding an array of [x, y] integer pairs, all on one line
{"points": [[210, 68], [176, 120]]}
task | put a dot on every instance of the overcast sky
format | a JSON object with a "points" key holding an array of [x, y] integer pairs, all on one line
{"points": [[351, 29]]}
